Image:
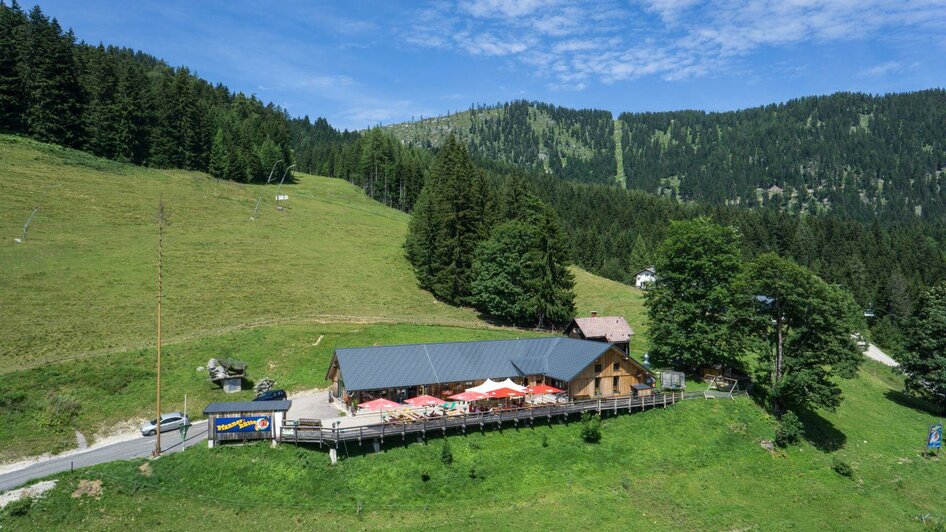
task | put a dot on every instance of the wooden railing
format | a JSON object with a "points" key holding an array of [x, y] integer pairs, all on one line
{"points": [[477, 420]]}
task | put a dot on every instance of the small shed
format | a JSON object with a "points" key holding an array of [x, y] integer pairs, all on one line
{"points": [[642, 390], [244, 420]]}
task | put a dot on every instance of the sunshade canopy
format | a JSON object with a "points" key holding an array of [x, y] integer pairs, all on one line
{"points": [[512, 386], [487, 386], [424, 400], [502, 393], [542, 389], [469, 395], [379, 404]]}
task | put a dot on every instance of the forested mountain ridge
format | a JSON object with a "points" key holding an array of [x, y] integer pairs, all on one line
{"points": [[856, 155], [850, 154], [573, 144]]}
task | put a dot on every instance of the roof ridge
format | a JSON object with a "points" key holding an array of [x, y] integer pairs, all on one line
{"points": [[425, 344], [431, 362]]}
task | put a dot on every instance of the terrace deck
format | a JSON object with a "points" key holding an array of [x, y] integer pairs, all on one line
{"points": [[480, 420]]}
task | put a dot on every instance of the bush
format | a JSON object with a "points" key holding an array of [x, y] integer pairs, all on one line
{"points": [[841, 467], [19, 507], [425, 476], [545, 440], [591, 427], [789, 431], [446, 455]]}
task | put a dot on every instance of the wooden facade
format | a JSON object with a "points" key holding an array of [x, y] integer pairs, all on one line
{"points": [[611, 374]]}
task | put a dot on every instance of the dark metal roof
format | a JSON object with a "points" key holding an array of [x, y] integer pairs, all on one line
{"points": [[247, 406], [395, 366]]}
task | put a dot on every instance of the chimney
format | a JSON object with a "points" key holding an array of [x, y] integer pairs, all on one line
{"points": [[594, 313]]}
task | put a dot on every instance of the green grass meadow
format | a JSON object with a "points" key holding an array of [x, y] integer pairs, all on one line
{"points": [[697, 465], [77, 325]]}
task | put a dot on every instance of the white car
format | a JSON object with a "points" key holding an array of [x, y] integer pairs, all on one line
{"points": [[169, 421]]}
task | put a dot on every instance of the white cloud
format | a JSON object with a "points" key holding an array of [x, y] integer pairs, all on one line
{"points": [[881, 70], [571, 43], [328, 81]]}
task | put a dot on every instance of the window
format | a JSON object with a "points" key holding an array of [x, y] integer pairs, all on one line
{"points": [[597, 386], [617, 366], [615, 386], [597, 368]]}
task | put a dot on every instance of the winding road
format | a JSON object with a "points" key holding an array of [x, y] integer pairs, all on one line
{"points": [[136, 448]]}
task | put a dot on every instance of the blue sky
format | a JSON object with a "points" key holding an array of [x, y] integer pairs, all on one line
{"points": [[361, 63]]}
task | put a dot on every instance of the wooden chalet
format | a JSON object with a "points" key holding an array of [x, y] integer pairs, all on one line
{"points": [[610, 329], [583, 368]]}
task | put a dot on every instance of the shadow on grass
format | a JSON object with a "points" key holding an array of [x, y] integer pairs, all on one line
{"points": [[916, 403], [822, 433]]}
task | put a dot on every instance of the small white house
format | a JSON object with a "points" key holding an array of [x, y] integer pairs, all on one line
{"points": [[645, 277]]}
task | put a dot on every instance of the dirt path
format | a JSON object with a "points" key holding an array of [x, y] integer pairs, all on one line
{"points": [[873, 352]]}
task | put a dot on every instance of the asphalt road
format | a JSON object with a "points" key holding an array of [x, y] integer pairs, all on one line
{"points": [[126, 450]]}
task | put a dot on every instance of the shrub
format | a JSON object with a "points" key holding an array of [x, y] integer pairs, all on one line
{"points": [[446, 455], [19, 507], [475, 474], [425, 476], [789, 431], [841, 467], [545, 440], [591, 427]]}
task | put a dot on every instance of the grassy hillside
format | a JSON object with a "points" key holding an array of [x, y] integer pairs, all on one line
{"points": [[78, 312], [697, 465], [85, 278]]}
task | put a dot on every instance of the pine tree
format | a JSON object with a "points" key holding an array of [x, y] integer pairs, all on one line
{"points": [[12, 94], [924, 360], [219, 165], [551, 283], [454, 222], [102, 115], [48, 69]]}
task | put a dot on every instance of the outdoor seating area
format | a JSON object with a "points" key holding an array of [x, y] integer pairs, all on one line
{"points": [[490, 396]]}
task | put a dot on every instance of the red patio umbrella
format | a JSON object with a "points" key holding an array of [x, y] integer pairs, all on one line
{"points": [[542, 389], [424, 400], [379, 404], [501, 393], [469, 396]]}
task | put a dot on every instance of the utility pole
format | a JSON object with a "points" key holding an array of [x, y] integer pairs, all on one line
{"points": [[157, 446]]}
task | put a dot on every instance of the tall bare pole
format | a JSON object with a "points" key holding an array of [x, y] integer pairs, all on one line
{"points": [[157, 445]]}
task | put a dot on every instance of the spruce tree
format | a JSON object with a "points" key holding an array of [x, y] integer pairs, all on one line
{"points": [[53, 93], [12, 94], [924, 359], [454, 223], [551, 282]]}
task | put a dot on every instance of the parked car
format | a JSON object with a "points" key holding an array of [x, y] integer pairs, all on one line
{"points": [[272, 395], [169, 421]]}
